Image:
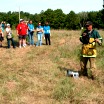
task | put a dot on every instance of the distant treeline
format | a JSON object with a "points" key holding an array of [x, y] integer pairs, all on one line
{"points": [[56, 18]]}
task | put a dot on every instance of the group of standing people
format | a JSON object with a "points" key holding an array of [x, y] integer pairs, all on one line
{"points": [[24, 29], [9, 35], [89, 38], [46, 30], [25, 32]]}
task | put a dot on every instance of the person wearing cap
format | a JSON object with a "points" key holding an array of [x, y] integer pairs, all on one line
{"points": [[31, 33], [22, 30], [89, 38], [39, 30], [9, 36]]}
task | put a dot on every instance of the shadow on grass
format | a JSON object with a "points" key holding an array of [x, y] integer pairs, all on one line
{"points": [[70, 72], [16, 43], [6, 46], [64, 69]]}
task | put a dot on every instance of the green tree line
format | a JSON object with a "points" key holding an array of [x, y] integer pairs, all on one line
{"points": [[56, 18]]}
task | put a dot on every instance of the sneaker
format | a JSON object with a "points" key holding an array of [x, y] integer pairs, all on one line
{"points": [[19, 46], [24, 45]]}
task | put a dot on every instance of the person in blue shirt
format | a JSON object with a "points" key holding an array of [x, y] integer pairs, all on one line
{"points": [[47, 33], [39, 31], [3, 25], [31, 32]]}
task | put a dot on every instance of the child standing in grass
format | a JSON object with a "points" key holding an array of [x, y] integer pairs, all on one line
{"points": [[9, 36]]}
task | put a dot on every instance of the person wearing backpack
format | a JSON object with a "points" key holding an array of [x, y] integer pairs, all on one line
{"points": [[89, 38], [9, 36]]}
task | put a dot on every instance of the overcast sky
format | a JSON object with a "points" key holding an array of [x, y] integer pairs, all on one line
{"points": [[36, 6]]}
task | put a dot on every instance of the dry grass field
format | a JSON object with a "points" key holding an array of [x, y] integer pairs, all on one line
{"points": [[37, 75]]}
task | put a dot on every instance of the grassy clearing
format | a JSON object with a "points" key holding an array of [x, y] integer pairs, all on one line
{"points": [[37, 75]]}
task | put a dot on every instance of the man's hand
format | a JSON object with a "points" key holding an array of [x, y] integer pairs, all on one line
{"points": [[84, 34], [98, 41]]}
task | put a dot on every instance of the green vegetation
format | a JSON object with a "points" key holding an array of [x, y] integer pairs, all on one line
{"points": [[37, 75], [57, 19]]}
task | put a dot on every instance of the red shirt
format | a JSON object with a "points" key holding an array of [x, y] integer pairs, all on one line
{"points": [[22, 29]]}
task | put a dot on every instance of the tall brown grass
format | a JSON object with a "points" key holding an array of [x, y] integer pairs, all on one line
{"points": [[37, 75]]}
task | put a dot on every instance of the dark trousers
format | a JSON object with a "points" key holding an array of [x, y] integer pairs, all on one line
{"points": [[9, 42], [47, 39]]}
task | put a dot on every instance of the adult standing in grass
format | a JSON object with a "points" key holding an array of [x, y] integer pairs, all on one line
{"points": [[47, 33], [9, 36], [31, 33], [89, 38], [39, 31], [27, 38], [3, 24], [1, 36], [22, 30]]}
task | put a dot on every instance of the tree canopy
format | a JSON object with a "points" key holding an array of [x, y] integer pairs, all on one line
{"points": [[56, 18]]}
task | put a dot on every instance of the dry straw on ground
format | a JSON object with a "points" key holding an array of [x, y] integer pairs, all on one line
{"points": [[37, 75]]}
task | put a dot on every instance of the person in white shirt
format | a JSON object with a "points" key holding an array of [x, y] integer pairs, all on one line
{"points": [[9, 36], [39, 31]]}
